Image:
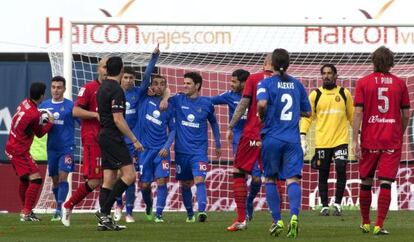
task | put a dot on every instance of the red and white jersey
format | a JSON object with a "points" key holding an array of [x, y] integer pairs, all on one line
{"points": [[253, 125], [87, 100], [382, 97], [25, 124]]}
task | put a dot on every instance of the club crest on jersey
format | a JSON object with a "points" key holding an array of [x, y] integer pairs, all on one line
{"points": [[199, 110], [337, 99], [68, 159], [62, 109]]}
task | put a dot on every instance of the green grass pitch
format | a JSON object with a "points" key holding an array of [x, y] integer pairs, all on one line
{"points": [[311, 228]]}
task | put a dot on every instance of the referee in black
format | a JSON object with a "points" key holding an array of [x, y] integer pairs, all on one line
{"points": [[114, 152]]}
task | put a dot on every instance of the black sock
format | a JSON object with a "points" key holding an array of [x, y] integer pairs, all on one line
{"points": [[103, 195], [117, 191], [323, 186]]}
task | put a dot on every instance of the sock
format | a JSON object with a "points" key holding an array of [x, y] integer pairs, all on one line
{"points": [[384, 200], [365, 198], [119, 188], [119, 201], [240, 194], [130, 198], [31, 195], [295, 198], [55, 191], [103, 195], [340, 182], [254, 190], [80, 193], [147, 197], [323, 186], [188, 200], [161, 198], [23, 185], [62, 193], [201, 195], [273, 200], [281, 192]]}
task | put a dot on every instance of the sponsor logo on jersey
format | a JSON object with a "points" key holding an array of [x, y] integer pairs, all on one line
{"points": [[153, 120], [190, 123], [375, 119]]}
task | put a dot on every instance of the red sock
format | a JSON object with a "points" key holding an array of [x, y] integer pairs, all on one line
{"points": [[82, 191], [23, 185], [365, 198], [384, 200], [240, 196], [31, 195]]}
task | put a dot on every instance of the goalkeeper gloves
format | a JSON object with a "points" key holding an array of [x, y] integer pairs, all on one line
{"points": [[304, 144], [44, 116]]}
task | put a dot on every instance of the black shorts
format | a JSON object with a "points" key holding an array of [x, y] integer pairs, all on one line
{"points": [[114, 151], [324, 156]]}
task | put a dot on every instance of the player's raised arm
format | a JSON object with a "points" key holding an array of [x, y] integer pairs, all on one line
{"points": [[146, 80]]}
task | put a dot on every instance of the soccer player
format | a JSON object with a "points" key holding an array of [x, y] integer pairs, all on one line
{"points": [[282, 99], [192, 112], [332, 111], [154, 162], [115, 155], [248, 149], [85, 109], [382, 104], [132, 95], [27, 122], [60, 142]]}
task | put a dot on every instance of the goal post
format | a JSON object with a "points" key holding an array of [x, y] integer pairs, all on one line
{"points": [[215, 50]]}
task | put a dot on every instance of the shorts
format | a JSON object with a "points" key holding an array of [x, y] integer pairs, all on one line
{"points": [[23, 164], [324, 156], [248, 153], [152, 166], [60, 161], [256, 170], [91, 167], [134, 155], [281, 159], [115, 152], [385, 162], [189, 166]]}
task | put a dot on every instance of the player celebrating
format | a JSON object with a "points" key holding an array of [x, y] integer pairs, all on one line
{"points": [[382, 104], [27, 122], [248, 150], [333, 110], [85, 109], [115, 154], [60, 142], [154, 162], [282, 99], [191, 142]]}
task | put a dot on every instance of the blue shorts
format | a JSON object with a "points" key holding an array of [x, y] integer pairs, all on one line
{"points": [[281, 159], [152, 166], [190, 166], [62, 160], [256, 170], [134, 155]]}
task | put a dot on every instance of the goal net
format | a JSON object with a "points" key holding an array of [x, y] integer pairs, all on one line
{"points": [[215, 52]]}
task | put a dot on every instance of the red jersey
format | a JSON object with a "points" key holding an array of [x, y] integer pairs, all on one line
{"points": [[382, 96], [87, 100], [25, 124], [253, 125]]}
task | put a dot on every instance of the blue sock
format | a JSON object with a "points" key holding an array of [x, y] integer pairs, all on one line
{"points": [[295, 197], [201, 196], [62, 194], [188, 200], [273, 200], [161, 198], [130, 199], [119, 201], [254, 190], [146, 196], [56, 194]]}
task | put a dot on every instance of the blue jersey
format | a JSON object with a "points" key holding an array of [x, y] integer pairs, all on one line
{"points": [[62, 134], [285, 101], [153, 123], [232, 99], [191, 117]]}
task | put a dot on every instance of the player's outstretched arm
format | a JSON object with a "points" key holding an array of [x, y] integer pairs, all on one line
{"points": [[240, 110], [81, 113], [150, 68], [261, 109]]}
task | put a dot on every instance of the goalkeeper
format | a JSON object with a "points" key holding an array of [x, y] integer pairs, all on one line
{"points": [[332, 110]]}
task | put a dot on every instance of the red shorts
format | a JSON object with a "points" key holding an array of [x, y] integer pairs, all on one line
{"points": [[92, 167], [23, 164], [248, 152], [385, 161]]}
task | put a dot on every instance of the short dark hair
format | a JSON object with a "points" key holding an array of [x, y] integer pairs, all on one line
{"points": [[59, 79], [114, 66], [332, 66], [195, 77], [383, 59], [129, 70], [158, 76], [280, 61], [37, 89], [241, 75]]}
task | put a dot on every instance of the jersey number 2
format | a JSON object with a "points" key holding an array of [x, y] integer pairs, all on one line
{"points": [[286, 114]]}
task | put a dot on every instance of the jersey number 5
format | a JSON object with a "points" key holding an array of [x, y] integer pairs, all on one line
{"points": [[286, 114], [383, 97]]}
